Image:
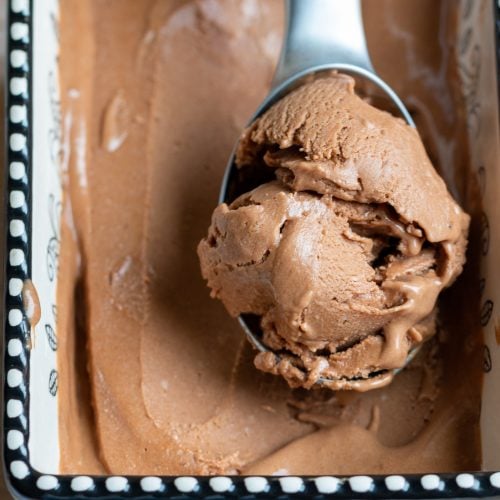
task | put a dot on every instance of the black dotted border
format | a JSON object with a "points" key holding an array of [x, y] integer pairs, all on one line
{"points": [[36, 485], [18, 172], [442, 486]]}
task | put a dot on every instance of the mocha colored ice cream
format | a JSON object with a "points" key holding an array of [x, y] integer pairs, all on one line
{"points": [[344, 256], [154, 376]]}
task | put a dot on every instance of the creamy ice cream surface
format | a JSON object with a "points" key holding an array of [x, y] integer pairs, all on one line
{"points": [[155, 377], [344, 255]]}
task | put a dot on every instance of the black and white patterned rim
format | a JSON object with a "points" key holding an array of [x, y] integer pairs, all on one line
{"points": [[26, 481]]}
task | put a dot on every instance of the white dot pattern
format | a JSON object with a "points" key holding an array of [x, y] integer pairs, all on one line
{"points": [[14, 348], [17, 199], [256, 484], [16, 228], [221, 484], [15, 439], [186, 484], [151, 484], [465, 481], [361, 484], [16, 257], [495, 480], [19, 469], [430, 482], [327, 484], [14, 408], [47, 483], [18, 85], [20, 6], [291, 484], [19, 31], [14, 377], [396, 483], [17, 170], [17, 142], [116, 484], [81, 483], [18, 114], [15, 317], [18, 58]]}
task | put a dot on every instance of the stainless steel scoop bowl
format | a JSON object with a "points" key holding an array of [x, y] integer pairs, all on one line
{"points": [[321, 35]]}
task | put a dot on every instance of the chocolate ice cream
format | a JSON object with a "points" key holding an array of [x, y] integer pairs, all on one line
{"points": [[344, 256], [156, 378]]}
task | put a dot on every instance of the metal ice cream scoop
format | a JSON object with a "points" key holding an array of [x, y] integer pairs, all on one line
{"points": [[321, 35]]}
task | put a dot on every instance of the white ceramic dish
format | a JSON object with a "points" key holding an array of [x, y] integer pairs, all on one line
{"points": [[31, 447]]}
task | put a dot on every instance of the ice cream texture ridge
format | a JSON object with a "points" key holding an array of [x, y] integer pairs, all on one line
{"points": [[343, 256]]}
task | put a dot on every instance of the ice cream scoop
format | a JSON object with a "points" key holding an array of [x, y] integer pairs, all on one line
{"points": [[343, 255], [321, 35], [383, 293]]}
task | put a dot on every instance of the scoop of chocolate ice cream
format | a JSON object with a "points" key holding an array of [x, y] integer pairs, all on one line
{"points": [[344, 255]]}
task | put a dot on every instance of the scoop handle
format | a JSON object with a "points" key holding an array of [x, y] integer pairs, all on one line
{"points": [[322, 32]]}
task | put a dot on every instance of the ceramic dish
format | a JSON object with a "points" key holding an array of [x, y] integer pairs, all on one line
{"points": [[31, 448]]}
